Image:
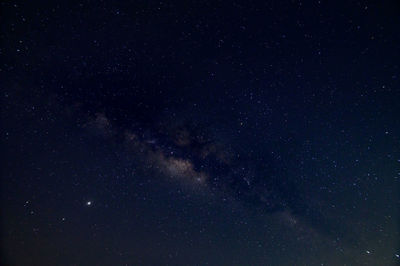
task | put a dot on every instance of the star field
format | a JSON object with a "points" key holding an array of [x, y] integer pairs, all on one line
{"points": [[200, 133]]}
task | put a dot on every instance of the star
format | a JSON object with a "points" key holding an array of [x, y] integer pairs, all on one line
{"points": [[88, 203]]}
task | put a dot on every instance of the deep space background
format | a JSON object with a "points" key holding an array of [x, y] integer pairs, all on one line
{"points": [[200, 132]]}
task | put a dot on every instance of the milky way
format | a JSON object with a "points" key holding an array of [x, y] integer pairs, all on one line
{"points": [[189, 156]]}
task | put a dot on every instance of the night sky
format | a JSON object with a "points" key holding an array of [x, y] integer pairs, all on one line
{"points": [[200, 132]]}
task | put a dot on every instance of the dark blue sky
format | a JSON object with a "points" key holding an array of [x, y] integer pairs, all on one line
{"points": [[200, 133]]}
